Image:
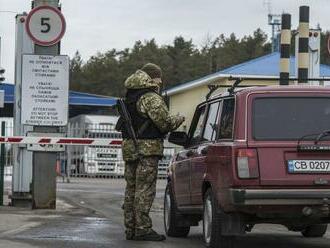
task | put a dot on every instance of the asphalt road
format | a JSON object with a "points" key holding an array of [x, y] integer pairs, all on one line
{"points": [[104, 198], [89, 215]]}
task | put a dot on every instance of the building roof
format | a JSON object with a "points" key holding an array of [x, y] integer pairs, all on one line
{"points": [[75, 98], [264, 66]]}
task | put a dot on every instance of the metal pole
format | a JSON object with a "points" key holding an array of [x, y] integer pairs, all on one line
{"points": [[2, 163], [44, 164], [303, 54], [273, 38], [285, 49], [68, 151], [22, 166]]}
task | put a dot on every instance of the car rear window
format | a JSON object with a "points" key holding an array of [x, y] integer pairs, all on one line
{"points": [[211, 125], [290, 118], [227, 119]]}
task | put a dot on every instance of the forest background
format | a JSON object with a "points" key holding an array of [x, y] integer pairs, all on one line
{"points": [[182, 61]]}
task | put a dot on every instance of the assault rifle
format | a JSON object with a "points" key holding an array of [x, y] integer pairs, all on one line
{"points": [[125, 119]]}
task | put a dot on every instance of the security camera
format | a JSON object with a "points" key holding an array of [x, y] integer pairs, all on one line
{"points": [[2, 71], [2, 78]]}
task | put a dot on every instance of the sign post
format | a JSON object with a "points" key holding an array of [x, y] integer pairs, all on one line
{"points": [[45, 25], [45, 93], [329, 44], [2, 163], [22, 168]]}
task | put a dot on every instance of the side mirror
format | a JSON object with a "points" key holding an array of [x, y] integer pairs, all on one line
{"points": [[178, 138]]}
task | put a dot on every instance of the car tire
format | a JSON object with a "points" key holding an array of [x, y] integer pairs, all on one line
{"points": [[212, 217], [315, 231], [172, 216]]}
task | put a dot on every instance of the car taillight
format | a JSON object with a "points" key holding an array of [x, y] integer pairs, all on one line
{"points": [[247, 163]]}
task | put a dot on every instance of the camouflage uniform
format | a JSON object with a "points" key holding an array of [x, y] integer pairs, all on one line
{"points": [[141, 171]]}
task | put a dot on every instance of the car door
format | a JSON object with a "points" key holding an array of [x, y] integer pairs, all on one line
{"points": [[183, 159], [198, 164]]}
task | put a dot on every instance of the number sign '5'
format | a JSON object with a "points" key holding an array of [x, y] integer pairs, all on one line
{"points": [[45, 25]]}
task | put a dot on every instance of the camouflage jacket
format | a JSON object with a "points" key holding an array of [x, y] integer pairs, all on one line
{"points": [[150, 105]]}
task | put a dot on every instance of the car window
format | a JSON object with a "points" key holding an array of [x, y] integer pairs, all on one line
{"points": [[227, 118], [196, 130], [290, 118], [211, 125]]}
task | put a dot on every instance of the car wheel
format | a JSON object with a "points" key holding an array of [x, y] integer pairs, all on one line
{"points": [[315, 231], [172, 216], [212, 224]]}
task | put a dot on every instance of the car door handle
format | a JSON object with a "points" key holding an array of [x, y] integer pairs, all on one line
{"points": [[190, 153], [205, 150]]}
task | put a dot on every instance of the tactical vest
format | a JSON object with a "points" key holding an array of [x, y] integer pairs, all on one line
{"points": [[142, 131]]}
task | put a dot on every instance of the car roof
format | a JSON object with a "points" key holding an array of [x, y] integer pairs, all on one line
{"points": [[274, 88]]}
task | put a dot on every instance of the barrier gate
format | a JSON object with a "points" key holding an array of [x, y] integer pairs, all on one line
{"points": [[83, 157], [77, 157]]}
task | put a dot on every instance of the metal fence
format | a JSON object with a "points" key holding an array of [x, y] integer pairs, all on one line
{"points": [[87, 161], [9, 153]]}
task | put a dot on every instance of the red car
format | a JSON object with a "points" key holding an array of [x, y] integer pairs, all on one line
{"points": [[257, 155]]}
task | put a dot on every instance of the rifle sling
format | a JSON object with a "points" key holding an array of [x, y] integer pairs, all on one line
{"points": [[143, 128]]}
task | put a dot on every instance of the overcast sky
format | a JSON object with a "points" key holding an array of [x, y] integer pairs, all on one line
{"points": [[100, 25]]}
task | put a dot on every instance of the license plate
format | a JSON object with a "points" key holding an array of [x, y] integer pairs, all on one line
{"points": [[309, 166]]}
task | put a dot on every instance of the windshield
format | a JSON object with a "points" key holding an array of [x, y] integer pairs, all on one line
{"points": [[290, 118]]}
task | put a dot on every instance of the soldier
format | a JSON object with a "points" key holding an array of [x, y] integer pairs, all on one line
{"points": [[151, 122]]}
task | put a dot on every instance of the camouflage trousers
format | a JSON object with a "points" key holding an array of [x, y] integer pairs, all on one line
{"points": [[141, 178]]}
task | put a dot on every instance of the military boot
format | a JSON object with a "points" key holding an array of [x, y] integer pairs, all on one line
{"points": [[151, 236], [130, 235]]}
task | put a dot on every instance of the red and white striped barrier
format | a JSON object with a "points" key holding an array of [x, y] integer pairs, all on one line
{"points": [[59, 141]]}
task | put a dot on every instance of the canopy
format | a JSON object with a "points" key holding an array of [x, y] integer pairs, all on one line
{"points": [[79, 103], [75, 97]]}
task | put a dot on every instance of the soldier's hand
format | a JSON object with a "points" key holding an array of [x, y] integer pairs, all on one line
{"points": [[176, 121], [180, 119]]}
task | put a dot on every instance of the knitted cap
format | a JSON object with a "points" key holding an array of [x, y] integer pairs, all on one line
{"points": [[152, 70]]}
